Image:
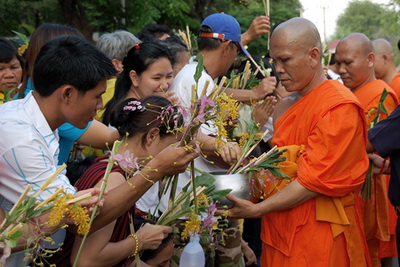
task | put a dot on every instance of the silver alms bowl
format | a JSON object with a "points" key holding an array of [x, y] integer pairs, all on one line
{"points": [[239, 183]]}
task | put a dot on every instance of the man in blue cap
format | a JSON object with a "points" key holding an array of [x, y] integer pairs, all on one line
{"points": [[219, 42]]}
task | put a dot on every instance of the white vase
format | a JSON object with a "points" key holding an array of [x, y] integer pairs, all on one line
{"points": [[193, 254]]}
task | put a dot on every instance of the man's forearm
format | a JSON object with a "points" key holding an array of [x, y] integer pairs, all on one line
{"points": [[291, 196]]}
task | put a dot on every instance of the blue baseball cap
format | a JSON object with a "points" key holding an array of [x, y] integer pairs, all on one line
{"points": [[224, 27]]}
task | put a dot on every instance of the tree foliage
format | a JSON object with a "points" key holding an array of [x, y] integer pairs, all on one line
{"points": [[245, 12], [374, 20], [101, 16]]}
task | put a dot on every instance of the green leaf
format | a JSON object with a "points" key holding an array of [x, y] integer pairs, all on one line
{"points": [[14, 237], [199, 69], [23, 37], [220, 193]]}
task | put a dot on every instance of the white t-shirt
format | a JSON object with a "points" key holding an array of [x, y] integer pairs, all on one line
{"points": [[28, 155], [182, 86], [28, 151]]}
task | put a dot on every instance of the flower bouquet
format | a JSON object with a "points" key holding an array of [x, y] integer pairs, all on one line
{"points": [[23, 217]]}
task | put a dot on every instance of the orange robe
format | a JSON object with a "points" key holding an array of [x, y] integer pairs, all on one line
{"points": [[395, 85], [378, 213], [324, 231]]}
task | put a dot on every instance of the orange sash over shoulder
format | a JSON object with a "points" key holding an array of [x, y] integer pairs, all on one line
{"points": [[330, 123]]}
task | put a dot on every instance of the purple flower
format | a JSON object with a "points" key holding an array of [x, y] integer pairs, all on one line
{"points": [[205, 102], [184, 111], [210, 219], [126, 161]]}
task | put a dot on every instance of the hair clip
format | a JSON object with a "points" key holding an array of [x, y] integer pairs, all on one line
{"points": [[137, 46], [133, 105]]}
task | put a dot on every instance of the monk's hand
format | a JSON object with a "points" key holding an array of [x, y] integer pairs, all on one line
{"points": [[265, 88], [242, 208], [230, 152]]}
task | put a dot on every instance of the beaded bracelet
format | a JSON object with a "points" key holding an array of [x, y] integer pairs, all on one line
{"points": [[136, 244], [381, 171]]}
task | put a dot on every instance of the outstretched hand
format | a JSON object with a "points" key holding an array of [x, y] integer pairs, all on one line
{"points": [[265, 88], [242, 208], [263, 111], [260, 25], [230, 152], [150, 236], [93, 200], [173, 159]]}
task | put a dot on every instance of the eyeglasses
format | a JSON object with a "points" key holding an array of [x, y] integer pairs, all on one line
{"points": [[238, 47]]}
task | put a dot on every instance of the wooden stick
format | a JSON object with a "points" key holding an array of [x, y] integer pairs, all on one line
{"points": [[80, 198], [204, 92], [59, 190], [62, 167], [21, 198], [248, 152], [259, 159], [257, 66]]}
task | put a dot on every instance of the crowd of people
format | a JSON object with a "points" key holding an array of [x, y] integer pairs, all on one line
{"points": [[339, 209]]}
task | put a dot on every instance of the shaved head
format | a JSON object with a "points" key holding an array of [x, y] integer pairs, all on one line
{"points": [[297, 51], [357, 41], [385, 67], [382, 47], [355, 60], [300, 32]]}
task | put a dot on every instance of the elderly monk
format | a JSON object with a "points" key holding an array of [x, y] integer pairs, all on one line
{"points": [[355, 64], [312, 221], [385, 68]]}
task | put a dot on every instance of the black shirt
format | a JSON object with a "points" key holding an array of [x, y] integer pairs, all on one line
{"points": [[385, 137]]}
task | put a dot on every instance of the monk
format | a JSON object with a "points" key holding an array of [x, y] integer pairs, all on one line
{"points": [[312, 221], [355, 64], [385, 68]]}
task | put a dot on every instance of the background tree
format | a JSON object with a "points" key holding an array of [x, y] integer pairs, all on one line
{"points": [[374, 20], [90, 16]]}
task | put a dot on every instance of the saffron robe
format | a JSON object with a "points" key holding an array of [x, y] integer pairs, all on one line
{"points": [[377, 212], [323, 231], [395, 85]]}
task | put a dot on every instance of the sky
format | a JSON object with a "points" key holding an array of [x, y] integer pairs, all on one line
{"points": [[314, 11]]}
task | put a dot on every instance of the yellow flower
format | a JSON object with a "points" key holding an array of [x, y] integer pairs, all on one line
{"points": [[60, 207], [81, 218], [258, 136], [228, 108], [202, 199], [22, 49], [192, 227], [243, 137]]}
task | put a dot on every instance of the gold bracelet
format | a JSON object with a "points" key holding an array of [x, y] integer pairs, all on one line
{"points": [[136, 244], [147, 179]]}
